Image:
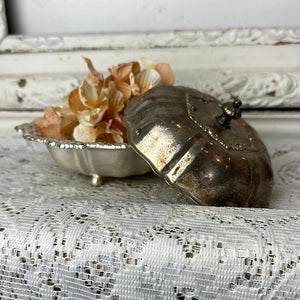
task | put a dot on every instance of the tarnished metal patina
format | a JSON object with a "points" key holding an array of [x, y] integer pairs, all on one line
{"points": [[200, 146]]}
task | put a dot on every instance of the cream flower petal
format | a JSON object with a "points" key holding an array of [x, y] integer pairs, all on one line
{"points": [[146, 63], [102, 97], [133, 85], [75, 104], [117, 138], [85, 133], [88, 94], [88, 117], [103, 109], [147, 79], [116, 102]]}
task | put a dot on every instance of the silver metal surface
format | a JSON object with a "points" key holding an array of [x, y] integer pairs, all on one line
{"points": [[94, 159], [177, 132]]}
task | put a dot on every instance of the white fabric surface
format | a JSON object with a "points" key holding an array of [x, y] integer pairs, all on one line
{"points": [[138, 238]]}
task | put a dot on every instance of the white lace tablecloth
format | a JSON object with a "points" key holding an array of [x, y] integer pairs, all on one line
{"points": [[138, 238]]}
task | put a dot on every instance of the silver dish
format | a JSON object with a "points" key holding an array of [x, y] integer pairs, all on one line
{"points": [[201, 146], [94, 159]]}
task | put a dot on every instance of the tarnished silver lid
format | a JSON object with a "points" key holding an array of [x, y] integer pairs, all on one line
{"points": [[200, 146]]}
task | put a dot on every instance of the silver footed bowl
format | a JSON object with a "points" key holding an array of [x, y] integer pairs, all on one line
{"points": [[94, 159]]}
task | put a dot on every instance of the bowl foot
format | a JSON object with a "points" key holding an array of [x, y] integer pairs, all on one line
{"points": [[96, 180]]}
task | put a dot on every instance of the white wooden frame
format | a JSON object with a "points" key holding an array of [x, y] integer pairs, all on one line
{"points": [[260, 65]]}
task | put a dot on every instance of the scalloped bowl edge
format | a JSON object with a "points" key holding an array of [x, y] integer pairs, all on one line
{"points": [[95, 159]]}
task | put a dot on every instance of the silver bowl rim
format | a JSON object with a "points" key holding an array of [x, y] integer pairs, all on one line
{"points": [[29, 130]]}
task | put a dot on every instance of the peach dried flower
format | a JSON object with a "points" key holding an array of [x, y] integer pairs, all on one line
{"points": [[95, 78], [94, 110], [122, 71], [49, 125]]}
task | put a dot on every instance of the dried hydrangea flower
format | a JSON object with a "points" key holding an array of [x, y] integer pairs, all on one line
{"points": [[97, 123], [121, 72], [49, 125], [94, 110]]}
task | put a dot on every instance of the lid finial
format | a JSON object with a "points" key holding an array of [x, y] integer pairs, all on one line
{"points": [[231, 110]]}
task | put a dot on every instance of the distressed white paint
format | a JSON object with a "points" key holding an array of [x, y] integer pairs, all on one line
{"points": [[257, 89], [70, 16], [262, 76], [206, 58], [250, 66]]}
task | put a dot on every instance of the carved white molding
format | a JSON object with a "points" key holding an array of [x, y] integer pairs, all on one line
{"points": [[36, 71], [256, 89], [262, 76], [3, 24], [197, 38]]}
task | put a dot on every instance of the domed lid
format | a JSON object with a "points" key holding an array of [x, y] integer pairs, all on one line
{"points": [[172, 128]]}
